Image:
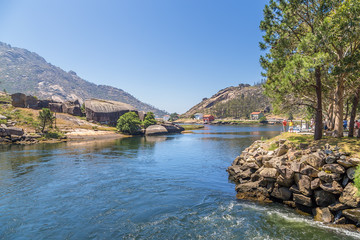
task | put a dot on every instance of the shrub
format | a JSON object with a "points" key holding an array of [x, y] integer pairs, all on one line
{"points": [[357, 179], [149, 120], [263, 120], [54, 135], [129, 123]]}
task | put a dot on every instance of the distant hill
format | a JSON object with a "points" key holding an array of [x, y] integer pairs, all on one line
{"points": [[26, 72], [234, 102]]}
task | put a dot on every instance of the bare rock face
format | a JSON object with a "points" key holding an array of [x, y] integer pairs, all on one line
{"points": [[106, 111], [156, 130], [303, 200], [334, 168], [323, 198], [333, 187], [282, 193], [315, 160], [18, 100]]}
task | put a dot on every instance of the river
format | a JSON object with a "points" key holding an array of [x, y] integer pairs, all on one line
{"points": [[166, 187]]}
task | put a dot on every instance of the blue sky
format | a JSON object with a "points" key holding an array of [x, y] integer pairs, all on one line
{"points": [[168, 53]]}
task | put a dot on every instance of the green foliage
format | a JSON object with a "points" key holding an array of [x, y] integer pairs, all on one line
{"points": [[290, 116], [129, 123], [149, 120], [263, 120], [53, 135], [357, 178], [174, 117], [46, 118]]}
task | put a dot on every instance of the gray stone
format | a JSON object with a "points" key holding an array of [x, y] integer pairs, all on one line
{"points": [[305, 185], [316, 159], [309, 170], [295, 189], [282, 193], [345, 163], [2, 117], [352, 214], [269, 173], [334, 168], [345, 181], [354, 161], [333, 187], [315, 183], [284, 182], [350, 196], [341, 220], [337, 207], [282, 150], [156, 130], [351, 173], [303, 200], [323, 198], [329, 177], [323, 215], [296, 166], [330, 159]]}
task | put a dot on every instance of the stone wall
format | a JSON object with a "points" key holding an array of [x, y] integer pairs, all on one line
{"points": [[313, 180]]}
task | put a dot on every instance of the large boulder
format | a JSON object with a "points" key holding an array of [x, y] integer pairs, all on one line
{"points": [[18, 100], [11, 131], [106, 111], [315, 160], [323, 215], [303, 200], [156, 130], [324, 199], [352, 214], [282, 193]]}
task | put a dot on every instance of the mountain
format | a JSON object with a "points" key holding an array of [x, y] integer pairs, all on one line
{"points": [[26, 72], [234, 102]]}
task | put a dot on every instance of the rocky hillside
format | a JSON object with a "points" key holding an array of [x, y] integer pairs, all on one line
{"points": [[235, 102], [26, 72]]}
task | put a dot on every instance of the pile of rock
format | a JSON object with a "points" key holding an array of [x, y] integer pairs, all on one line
{"points": [[317, 181]]}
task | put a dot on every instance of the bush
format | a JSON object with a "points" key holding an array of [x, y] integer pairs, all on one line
{"points": [[53, 135], [149, 120], [357, 179], [129, 123], [263, 120]]}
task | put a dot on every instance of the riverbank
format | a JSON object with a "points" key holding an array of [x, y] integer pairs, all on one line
{"points": [[313, 177]]}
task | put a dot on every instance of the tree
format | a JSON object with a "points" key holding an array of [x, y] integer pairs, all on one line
{"points": [[149, 119], [295, 62], [174, 116], [129, 123], [46, 118]]}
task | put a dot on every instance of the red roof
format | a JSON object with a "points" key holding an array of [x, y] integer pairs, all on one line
{"points": [[206, 116], [255, 113]]}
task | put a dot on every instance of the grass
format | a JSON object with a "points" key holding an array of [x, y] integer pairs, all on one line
{"points": [[350, 145], [192, 127]]}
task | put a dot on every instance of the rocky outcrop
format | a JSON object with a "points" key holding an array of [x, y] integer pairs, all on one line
{"points": [[317, 181], [161, 129], [105, 111]]}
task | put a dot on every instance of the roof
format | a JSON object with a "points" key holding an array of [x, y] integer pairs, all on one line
{"points": [[208, 115], [105, 106], [255, 113]]}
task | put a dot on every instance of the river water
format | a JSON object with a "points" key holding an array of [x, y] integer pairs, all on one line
{"points": [[172, 187]]}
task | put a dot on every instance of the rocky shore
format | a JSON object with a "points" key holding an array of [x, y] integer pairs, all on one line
{"points": [[318, 181]]}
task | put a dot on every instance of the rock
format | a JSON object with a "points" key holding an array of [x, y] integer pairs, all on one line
{"points": [[282, 193], [309, 170], [106, 111], [2, 117], [330, 159], [305, 185], [296, 166], [156, 130], [315, 183], [351, 173], [295, 189], [246, 174], [173, 128], [315, 160], [18, 100], [329, 177], [352, 214], [350, 196], [341, 220], [323, 215], [233, 170], [269, 173], [290, 203], [345, 181], [303, 145], [303, 200], [337, 207], [334, 168], [333, 187], [323, 198], [252, 191], [345, 163], [354, 161], [15, 131], [282, 150], [286, 182]]}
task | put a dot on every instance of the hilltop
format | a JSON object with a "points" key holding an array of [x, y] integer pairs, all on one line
{"points": [[27, 72], [235, 102]]}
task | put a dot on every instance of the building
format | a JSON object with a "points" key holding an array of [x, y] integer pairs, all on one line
{"points": [[208, 118], [166, 118], [256, 115]]}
